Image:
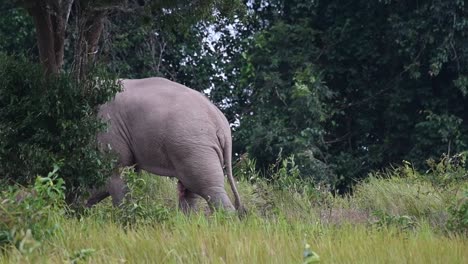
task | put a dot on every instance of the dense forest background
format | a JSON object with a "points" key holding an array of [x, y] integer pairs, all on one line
{"points": [[346, 87]]}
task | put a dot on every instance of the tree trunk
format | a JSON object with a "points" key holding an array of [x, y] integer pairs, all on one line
{"points": [[45, 37], [89, 27], [62, 13], [51, 19], [95, 25]]}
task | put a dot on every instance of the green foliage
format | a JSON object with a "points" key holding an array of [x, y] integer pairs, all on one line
{"points": [[27, 215], [274, 231], [287, 176], [246, 169], [449, 176], [137, 207], [140, 206], [346, 89], [378, 82], [51, 120], [283, 175], [399, 196], [443, 128], [281, 191], [449, 173], [16, 30], [169, 39], [287, 114], [458, 215], [404, 197]]}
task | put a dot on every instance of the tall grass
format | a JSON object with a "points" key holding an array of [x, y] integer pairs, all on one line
{"points": [[390, 218], [399, 196], [198, 239]]}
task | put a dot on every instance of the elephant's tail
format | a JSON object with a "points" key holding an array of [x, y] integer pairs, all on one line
{"points": [[232, 182]]}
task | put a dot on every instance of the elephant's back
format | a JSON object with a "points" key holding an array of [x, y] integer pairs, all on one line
{"points": [[157, 117], [152, 94]]}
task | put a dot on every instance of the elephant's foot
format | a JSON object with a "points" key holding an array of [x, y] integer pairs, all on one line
{"points": [[218, 199]]}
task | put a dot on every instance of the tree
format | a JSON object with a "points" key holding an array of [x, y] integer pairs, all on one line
{"points": [[286, 110]]}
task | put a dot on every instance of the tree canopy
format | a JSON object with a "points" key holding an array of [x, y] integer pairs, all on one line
{"points": [[52, 19], [357, 86]]}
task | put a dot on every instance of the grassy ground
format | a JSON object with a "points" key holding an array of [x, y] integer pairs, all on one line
{"points": [[201, 240], [407, 229]]}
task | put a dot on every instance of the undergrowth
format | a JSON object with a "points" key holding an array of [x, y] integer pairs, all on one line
{"points": [[28, 215]]}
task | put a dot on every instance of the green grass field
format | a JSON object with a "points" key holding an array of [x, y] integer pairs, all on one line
{"points": [[408, 229], [202, 240]]}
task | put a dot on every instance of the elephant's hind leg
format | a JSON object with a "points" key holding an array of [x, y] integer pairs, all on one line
{"points": [[187, 199], [217, 198], [201, 173]]}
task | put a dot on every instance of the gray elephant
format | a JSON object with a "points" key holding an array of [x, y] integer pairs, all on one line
{"points": [[170, 130]]}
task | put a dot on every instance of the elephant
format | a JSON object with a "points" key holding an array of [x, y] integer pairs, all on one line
{"points": [[168, 129]]}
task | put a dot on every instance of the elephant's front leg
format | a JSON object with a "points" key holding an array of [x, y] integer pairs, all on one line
{"points": [[96, 196], [187, 199], [117, 188]]}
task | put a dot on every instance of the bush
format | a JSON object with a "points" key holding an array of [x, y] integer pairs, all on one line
{"points": [[399, 196], [402, 222], [51, 120]]}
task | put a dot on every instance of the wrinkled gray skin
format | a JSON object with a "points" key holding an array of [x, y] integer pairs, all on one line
{"points": [[170, 130]]}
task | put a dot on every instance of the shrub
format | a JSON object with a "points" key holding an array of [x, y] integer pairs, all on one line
{"points": [[402, 222], [27, 214], [458, 215], [141, 204], [283, 175], [51, 119], [281, 190], [450, 173], [138, 207]]}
